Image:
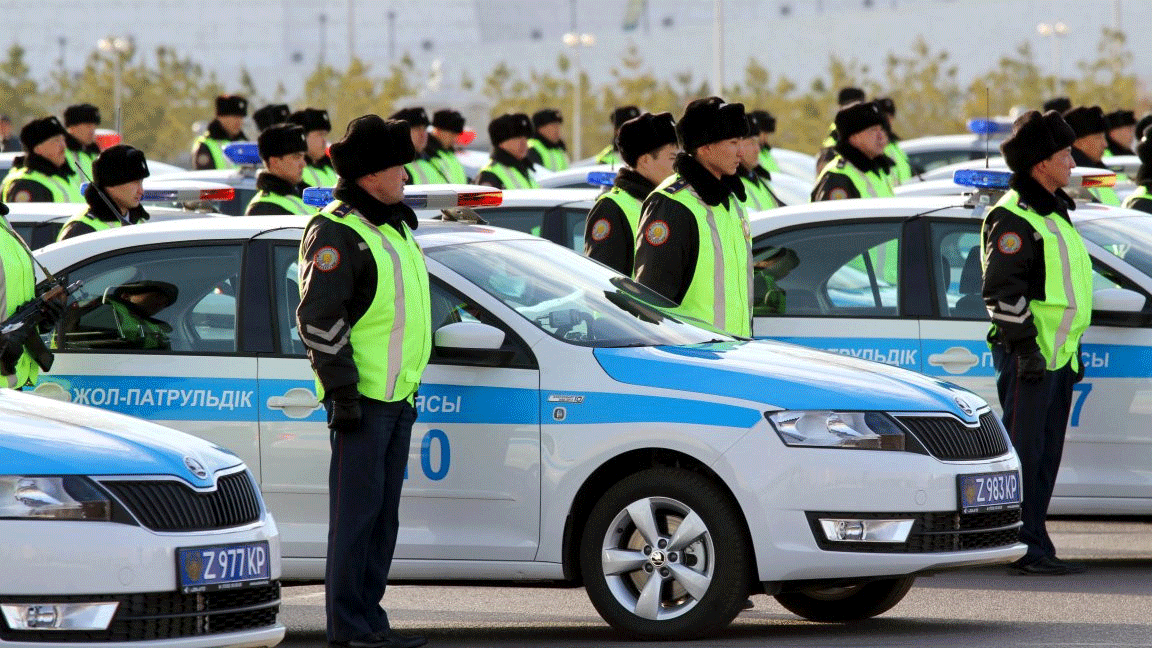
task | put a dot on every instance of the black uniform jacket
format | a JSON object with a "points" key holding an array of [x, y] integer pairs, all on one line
{"points": [[1014, 275], [203, 157], [101, 210], [1144, 179], [500, 156], [339, 284], [265, 181], [668, 242], [31, 191], [616, 245], [836, 186]]}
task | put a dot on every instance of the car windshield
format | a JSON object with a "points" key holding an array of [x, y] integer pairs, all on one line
{"points": [[1127, 237], [569, 296]]}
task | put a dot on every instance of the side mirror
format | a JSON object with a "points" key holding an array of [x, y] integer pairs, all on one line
{"points": [[471, 343], [1119, 307]]}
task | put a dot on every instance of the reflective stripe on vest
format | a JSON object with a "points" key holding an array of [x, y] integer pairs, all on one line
{"points": [[902, 171], [19, 287], [1066, 310], [400, 312], [290, 204], [511, 178], [868, 185], [215, 149], [61, 189], [424, 172], [552, 159], [319, 176], [449, 166], [88, 219], [721, 288], [1141, 192]]}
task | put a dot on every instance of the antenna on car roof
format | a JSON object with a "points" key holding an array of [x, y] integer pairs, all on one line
{"points": [[988, 116]]}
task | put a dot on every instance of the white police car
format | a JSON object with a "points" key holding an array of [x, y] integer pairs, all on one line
{"points": [[790, 189], [570, 429], [898, 280], [121, 532], [933, 151]]}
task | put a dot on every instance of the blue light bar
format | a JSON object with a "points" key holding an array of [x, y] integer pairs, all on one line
{"points": [[982, 178], [243, 153], [988, 127], [317, 196], [601, 178]]}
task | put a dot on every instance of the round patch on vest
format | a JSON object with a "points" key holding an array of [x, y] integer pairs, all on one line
{"points": [[21, 196], [327, 258], [839, 193], [601, 229], [203, 159], [656, 233], [1009, 243]]}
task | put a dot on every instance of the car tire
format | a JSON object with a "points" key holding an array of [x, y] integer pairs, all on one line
{"points": [[851, 603], [651, 582]]}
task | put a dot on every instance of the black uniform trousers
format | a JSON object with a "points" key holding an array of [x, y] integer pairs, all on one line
{"points": [[365, 477], [1036, 417]]}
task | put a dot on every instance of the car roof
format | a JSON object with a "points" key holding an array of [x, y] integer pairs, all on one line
{"points": [[961, 142], [44, 212], [238, 178]]}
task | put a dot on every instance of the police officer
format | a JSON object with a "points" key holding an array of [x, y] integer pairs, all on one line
{"points": [[8, 140], [318, 170], [767, 123], [114, 195], [18, 287], [693, 245], [269, 115], [81, 121], [364, 315], [754, 179], [546, 148], [901, 170], [280, 186], [1121, 131], [420, 170], [609, 154], [859, 168], [1088, 149], [509, 166], [1142, 198], [133, 307], [447, 126], [648, 146], [208, 149], [1038, 292], [42, 174], [846, 97]]}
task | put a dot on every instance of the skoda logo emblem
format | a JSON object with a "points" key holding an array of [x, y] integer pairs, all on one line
{"points": [[964, 406], [195, 467]]}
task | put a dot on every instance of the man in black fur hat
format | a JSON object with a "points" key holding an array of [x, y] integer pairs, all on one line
{"points": [[42, 174], [845, 97], [81, 121], [509, 166], [1121, 132], [421, 170], [280, 185], [269, 115], [114, 195], [546, 147], [318, 171], [1142, 198], [1038, 292], [610, 154], [859, 168], [756, 180], [208, 149], [368, 355], [1091, 142], [648, 146], [693, 244], [447, 126]]}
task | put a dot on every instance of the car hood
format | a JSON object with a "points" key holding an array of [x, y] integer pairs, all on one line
{"points": [[41, 436], [786, 376]]}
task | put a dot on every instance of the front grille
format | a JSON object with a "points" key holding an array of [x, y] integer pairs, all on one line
{"points": [[173, 505], [946, 437], [163, 615], [931, 533]]}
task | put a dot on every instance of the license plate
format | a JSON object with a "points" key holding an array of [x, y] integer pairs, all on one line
{"points": [[203, 569], [989, 491]]}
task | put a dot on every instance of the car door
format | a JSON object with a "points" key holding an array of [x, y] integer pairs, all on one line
{"points": [[152, 333], [837, 286], [472, 489], [1108, 446]]}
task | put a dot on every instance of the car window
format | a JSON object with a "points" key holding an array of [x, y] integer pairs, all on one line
{"points": [[574, 221], [286, 293], [160, 300], [527, 220], [841, 270], [957, 275]]}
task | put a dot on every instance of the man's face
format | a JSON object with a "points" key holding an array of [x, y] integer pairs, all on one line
{"points": [[287, 167], [86, 133], [749, 152], [149, 302], [1056, 171], [317, 142], [386, 185], [232, 124], [720, 158], [657, 165], [1123, 135], [550, 132], [126, 196], [419, 137], [446, 137], [52, 149], [517, 147], [870, 141], [5, 128], [1092, 145]]}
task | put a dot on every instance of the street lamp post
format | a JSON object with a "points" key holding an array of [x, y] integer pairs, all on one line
{"points": [[1055, 31], [117, 45], [576, 41]]}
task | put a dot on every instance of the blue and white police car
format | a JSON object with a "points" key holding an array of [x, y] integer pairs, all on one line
{"points": [[898, 280], [121, 532], [570, 429]]}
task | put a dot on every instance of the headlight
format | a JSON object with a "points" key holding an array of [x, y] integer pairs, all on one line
{"points": [[53, 498], [825, 429]]}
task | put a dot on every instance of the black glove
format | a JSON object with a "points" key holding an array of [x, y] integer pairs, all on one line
{"points": [[345, 415], [11, 348], [1030, 366], [53, 310], [1079, 372]]}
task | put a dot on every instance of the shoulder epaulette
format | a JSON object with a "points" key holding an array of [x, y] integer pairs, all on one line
{"points": [[343, 210], [676, 186]]}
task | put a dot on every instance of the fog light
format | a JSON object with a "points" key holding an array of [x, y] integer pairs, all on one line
{"points": [[59, 616], [846, 530]]}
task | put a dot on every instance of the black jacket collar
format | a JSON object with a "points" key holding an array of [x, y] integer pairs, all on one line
{"points": [[755, 173], [1116, 148], [1083, 160], [322, 163], [500, 156], [216, 131], [1038, 199], [34, 162], [375, 211], [74, 144], [712, 191], [98, 207], [558, 144], [434, 147], [856, 158], [633, 184], [265, 181]]}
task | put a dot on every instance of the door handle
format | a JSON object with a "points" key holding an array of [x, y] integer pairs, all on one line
{"points": [[954, 360], [297, 403]]}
